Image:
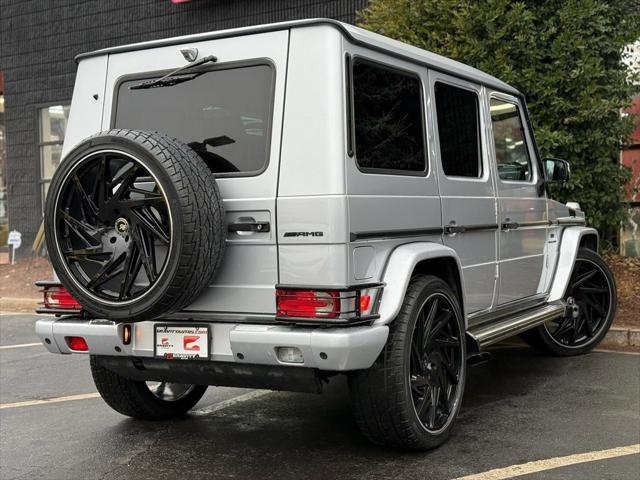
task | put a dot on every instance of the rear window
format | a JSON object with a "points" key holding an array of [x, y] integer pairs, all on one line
{"points": [[224, 115], [389, 127]]}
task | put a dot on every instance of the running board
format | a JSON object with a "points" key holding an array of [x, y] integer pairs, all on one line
{"points": [[492, 332]]}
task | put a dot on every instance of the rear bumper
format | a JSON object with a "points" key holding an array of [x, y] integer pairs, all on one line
{"points": [[329, 349]]}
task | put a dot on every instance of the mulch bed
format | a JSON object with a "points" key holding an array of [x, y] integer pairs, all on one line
{"points": [[626, 271]]}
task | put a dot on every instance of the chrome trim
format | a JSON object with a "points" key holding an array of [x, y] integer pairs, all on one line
{"points": [[488, 334], [513, 307]]}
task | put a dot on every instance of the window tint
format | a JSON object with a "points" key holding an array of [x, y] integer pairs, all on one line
{"points": [[224, 115], [389, 130], [458, 131], [512, 155]]}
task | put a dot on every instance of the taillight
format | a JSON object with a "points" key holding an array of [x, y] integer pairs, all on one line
{"points": [[57, 298], [307, 303], [325, 305], [77, 344]]}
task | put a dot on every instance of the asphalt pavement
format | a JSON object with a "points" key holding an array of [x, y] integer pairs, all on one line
{"points": [[520, 407]]}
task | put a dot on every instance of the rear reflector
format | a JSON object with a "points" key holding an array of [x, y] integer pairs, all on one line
{"points": [[77, 344], [56, 297]]}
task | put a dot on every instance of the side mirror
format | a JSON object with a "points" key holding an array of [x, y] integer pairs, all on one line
{"points": [[556, 170]]}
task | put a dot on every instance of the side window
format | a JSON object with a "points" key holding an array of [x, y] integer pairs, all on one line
{"points": [[458, 131], [388, 120], [512, 155]]}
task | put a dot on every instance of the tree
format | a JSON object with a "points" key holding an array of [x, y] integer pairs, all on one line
{"points": [[564, 55]]}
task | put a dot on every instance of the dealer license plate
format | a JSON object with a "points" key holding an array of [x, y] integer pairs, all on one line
{"points": [[182, 342]]}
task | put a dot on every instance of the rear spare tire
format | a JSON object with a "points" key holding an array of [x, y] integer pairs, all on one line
{"points": [[134, 224]]}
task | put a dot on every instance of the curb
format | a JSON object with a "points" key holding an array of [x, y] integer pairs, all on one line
{"points": [[26, 305], [622, 338]]}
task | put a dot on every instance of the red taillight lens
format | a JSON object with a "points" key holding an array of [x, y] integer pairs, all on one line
{"points": [[57, 297], [77, 344], [365, 303], [307, 303]]}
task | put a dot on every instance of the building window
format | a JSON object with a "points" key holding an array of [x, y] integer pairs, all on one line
{"points": [[458, 131], [53, 125], [388, 119]]}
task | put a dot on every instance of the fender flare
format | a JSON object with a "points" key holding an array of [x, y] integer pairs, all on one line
{"points": [[397, 275], [569, 245]]}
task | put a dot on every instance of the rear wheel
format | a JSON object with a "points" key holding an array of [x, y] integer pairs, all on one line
{"points": [[144, 400], [412, 394], [591, 307]]}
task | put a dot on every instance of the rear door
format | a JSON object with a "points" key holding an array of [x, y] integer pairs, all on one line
{"points": [[230, 113]]}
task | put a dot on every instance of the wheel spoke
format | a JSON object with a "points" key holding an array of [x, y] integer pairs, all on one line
{"points": [[441, 322], [124, 183], [583, 278], [132, 268], [451, 372], [428, 322], [101, 186], [87, 254], [145, 252], [435, 398], [85, 201], [84, 231], [148, 201], [106, 273], [149, 222], [592, 289]]}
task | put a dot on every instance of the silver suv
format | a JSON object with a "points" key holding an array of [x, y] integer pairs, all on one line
{"points": [[272, 206]]}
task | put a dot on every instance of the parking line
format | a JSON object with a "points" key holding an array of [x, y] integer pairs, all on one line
{"points": [[85, 396], [21, 345], [551, 463], [46, 401], [230, 402]]}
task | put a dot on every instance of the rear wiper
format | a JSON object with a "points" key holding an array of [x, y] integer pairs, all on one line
{"points": [[171, 79]]}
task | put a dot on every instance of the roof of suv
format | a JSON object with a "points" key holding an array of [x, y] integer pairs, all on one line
{"points": [[354, 34]]}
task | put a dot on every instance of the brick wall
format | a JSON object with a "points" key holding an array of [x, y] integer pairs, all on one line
{"points": [[39, 38]]}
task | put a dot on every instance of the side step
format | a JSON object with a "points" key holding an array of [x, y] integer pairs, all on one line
{"points": [[495, 331]]}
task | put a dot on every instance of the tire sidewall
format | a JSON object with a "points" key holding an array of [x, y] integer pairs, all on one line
{"points": [[432, 286]]}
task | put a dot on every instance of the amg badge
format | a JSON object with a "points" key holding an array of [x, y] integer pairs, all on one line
{"points": [[303, 234]]}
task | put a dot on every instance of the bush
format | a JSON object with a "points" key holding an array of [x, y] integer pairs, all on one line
{"points": [[564, 55]]}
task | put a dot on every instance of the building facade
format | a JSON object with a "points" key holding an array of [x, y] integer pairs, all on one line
{"points": [[38, 41]]}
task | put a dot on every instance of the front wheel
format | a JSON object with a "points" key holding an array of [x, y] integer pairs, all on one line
{"points": [[411, 396], [144, 400], [591, 307]]}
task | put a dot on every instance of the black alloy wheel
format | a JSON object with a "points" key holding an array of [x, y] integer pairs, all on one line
{"points": [[588, 300], [113, 226], [436, 362], [410, 397], [590, 308]]}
